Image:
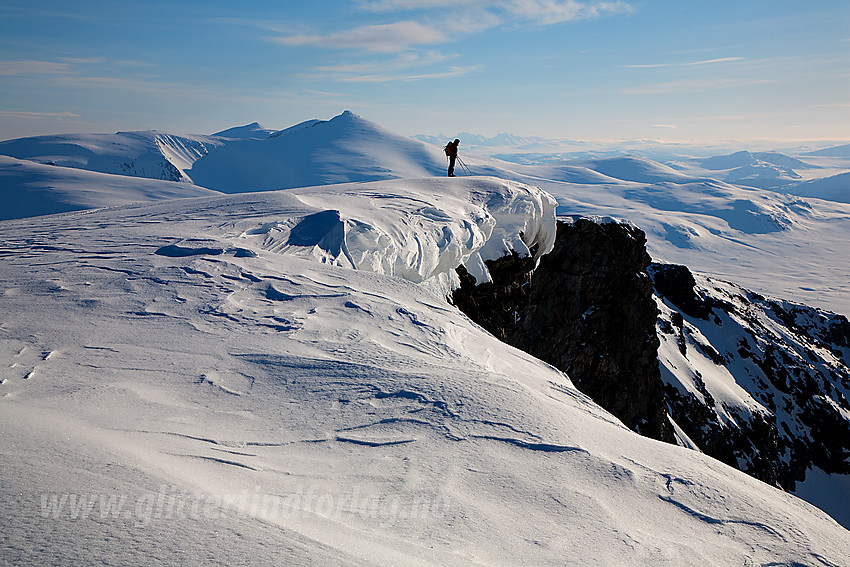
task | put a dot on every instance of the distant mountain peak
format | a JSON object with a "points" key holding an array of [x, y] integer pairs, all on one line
{"points": [[253, 131]]}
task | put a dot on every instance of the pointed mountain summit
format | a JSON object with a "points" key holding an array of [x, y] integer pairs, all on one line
{"points": [[253, 131], [346, 148]]}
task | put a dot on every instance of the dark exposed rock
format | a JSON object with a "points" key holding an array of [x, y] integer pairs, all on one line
{"points": [[586, 309], [676, 283], [791, 359]]}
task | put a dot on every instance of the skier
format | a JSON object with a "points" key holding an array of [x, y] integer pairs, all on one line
{"points": [[451, 152]]}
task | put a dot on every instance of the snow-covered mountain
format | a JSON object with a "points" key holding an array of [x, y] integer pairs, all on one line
{"points": [[395, 219], [344, 149], [781, 244], [246, 158], [835, 151], [745, 158], [639, 170], [149, 154], [199, 378], [833, 188]]}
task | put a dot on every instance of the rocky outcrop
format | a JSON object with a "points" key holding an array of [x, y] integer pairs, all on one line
{"points": [[778, 402], [586, 309], [759, 384]]}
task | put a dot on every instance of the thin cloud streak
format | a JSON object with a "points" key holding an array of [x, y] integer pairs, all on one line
{"points": [[690, 64], [36, 115], [383, 38], [697, 85], [451, 73], [544, 12], [22, 68], [402, 61], [466, 17]]}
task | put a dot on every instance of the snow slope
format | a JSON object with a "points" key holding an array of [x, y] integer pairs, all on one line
{"points": [[833, 188], [29, 189], [640, 170], [150, 154], [172, 387]]}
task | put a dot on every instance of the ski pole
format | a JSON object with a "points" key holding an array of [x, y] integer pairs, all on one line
{"points": [[464, 165]]}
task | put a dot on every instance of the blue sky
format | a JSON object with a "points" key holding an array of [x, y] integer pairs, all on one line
{"points": [[632, 69]]}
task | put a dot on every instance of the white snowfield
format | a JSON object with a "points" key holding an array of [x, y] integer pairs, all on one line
{"points": [[207, 380]]}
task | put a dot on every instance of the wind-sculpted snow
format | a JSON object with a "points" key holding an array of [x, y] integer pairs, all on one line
{"points": [[420, 230], [222, 407]]}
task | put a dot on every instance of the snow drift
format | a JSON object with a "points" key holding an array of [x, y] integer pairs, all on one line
{"points": [[418, 229]]}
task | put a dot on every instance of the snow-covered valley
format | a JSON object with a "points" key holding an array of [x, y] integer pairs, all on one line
{"points": [[276, 377]]}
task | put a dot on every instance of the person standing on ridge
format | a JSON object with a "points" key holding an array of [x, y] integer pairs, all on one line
{"points": [[451, 152]]}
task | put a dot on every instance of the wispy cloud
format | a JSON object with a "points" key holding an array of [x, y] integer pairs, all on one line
{"points": [[687, 64], [36, 115], [396, 5], [84, 60], [62, 66], [543, 12], [401, 77], [401, 62], [432, 19], [423, 24], [710, 61], [695, 85], [29, 67], [382, 38], [548, 12]]}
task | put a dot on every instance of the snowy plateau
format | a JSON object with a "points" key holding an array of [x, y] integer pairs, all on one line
{"points": [[239, 348]]}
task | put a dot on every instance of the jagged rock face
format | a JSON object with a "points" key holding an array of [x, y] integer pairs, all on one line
{"points": [[760, 384], [586, 309]]}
